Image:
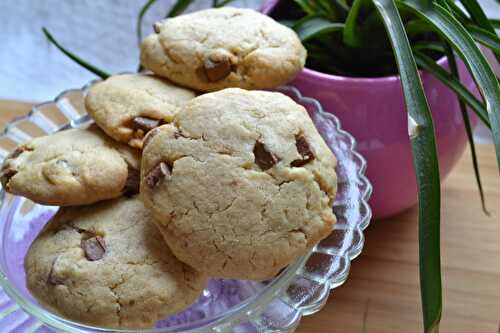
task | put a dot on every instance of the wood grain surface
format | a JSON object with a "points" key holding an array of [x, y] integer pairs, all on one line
{"points": [[382, 291]]}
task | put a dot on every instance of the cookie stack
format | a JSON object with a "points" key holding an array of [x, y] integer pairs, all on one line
{"points": [[184, 176]]}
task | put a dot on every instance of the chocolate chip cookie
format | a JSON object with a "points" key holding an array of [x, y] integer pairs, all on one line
{"points": [[241, 183], [128, 106], [226, 47], [72, 167], [106, 265]]}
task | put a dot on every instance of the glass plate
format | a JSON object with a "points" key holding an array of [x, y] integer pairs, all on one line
{"points": [[226, 305]]}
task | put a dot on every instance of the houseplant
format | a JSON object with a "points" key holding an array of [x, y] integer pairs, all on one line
{"points": [[445, 28], [353, 38], [369, 102]]}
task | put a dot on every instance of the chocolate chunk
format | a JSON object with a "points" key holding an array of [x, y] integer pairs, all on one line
{"points": [[157, 174], [132, 184], [94, 248], [6, 175], [216, 70], [263, 158], [19, 150], [144, 123], [304, 150], [156, 27]]}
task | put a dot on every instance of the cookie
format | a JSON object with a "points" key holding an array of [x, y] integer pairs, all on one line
{"points": [[72, 167], [106, 265], [226, 47], [241, 183], [127, 106]]}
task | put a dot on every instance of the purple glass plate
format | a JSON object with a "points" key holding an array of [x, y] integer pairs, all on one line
{"points": [[226, 305]]}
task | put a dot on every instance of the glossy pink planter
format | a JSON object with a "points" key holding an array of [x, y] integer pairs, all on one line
{"points": [[373, 111]]}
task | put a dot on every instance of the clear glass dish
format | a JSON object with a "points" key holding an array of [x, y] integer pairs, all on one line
{"points": [[226, 305]]}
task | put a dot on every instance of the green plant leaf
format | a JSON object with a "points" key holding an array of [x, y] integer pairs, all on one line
{"points": [[178, 8], [495, 23], [451, 81], [468, 128], [429, 45], [138, 26], [351, 32], [485, 37], [479, 18], [457, 11], [423, 142], [91, 68], [217, 4], [340, 8], [314, 26], [288, 23], [477, 15], [417, 26], [305, 6], [451, 30]]}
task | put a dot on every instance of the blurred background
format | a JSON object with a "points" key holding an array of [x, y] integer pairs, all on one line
{"points": [[102, 32]]}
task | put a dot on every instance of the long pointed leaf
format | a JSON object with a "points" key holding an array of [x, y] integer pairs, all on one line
{"points": [[429, 45], [421, 130], [178, 8], [495, 23], [468, 128], [485, 37], [449, 80], [351, 31], [138, 27], [451, 30], [417, 26], [457, 11], [314, 26], [477, 14], [91, 68], [222, 3], [305, 6]]}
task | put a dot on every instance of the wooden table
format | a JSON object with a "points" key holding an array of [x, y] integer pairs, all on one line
{"points": [[382, 291]]}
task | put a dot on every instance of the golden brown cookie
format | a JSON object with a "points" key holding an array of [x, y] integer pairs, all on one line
{"points": [[107, 265], [128, 106], [72, 167], [225, 47], [241, 183]]}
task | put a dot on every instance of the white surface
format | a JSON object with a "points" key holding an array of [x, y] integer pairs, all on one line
{"points": [[100, 31]]}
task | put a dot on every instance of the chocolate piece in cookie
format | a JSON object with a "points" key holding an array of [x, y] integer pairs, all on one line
{"points": [[72, 167], [128, 106], [216, 70], [144, 123], [94, 248], [109, 267], [304, 150], [233, 206], [157, 174], [225, 47], [263, 158]]}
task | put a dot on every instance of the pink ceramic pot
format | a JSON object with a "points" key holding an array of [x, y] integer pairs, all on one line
{"points": [[373, 111]]}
